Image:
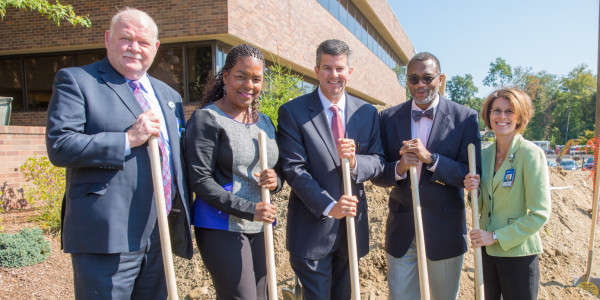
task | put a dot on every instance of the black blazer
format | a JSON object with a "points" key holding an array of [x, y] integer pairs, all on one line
{"points": [[312, 168], [441, 192]]}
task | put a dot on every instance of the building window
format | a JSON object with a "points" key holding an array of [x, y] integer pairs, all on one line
{"points": [[199, 66], [168, 67], [40, 72], [11, 81]]}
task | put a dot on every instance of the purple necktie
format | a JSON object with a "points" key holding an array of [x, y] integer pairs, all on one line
{"points": [[337, 127], [166, 169]]}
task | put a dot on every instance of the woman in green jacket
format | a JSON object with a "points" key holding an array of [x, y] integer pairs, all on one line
{"points": [[514, 200]]}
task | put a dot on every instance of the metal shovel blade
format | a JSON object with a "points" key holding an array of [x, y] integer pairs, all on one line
{"points": [[295, 293], [590, 286]]}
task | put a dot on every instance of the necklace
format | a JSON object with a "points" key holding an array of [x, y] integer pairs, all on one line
{"points": [[499, 160]]}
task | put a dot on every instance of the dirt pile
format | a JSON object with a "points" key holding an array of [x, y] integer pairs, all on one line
{"points": [[565, 239]]}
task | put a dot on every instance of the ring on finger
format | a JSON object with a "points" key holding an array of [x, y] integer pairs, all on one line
{"points": [[271, 216]]}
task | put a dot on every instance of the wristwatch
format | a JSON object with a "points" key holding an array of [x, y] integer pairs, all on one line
{"points": [[434, 158], [494, 237]]}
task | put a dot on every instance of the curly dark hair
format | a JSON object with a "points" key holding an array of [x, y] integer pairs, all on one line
{"points": [[215, 87]]}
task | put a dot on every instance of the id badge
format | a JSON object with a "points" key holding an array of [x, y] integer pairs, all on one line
{"points": [[509, 177]]}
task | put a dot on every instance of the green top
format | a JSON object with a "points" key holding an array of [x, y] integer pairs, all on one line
{"points": [[518, 212]]}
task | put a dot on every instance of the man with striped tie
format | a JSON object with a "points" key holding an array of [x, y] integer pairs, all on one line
{"points": [[99, 120]]}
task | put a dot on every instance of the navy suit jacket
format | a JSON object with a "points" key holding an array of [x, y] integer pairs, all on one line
{"points": [[312, 168], [108, 205], [441, 192]]}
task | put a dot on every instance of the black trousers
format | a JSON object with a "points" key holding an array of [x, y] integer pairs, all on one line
{"points": [[236, 263], [510, 278]]}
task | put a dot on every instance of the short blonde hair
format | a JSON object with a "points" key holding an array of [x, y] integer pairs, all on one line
{"points": [[517, 99]]}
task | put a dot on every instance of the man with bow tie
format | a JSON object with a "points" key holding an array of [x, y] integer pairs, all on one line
{"points": [[431, 133], [99, 120]]}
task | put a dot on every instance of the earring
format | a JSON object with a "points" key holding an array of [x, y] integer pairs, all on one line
{"points": [[224, 90]]}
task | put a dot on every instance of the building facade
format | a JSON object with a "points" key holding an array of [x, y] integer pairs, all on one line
{"points": [[195, 36]]}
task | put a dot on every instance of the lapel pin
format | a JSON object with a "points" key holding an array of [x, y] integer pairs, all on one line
{"points": [[171, 105]]}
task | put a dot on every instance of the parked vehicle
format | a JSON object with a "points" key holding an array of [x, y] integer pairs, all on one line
{"points": [[552, 163], [588, 164], [569, 164]]}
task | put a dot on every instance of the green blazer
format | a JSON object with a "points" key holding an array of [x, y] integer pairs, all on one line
{"points": [[518, 212]]}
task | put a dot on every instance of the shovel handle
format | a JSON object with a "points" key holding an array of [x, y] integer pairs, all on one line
{"points": [[475, 218], [268, 227], [351, 233], [161, 214], [419, 236]]}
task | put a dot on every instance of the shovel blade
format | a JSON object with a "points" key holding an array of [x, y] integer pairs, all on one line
{"points": [[591, 286]]}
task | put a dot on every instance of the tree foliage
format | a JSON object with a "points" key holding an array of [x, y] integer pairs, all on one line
{"points": [[279, 87], [564, 106], [55, 12], [461, 89], [499, 75]]}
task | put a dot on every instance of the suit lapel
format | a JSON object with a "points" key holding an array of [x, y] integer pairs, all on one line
{"points": [[403, 123], [119, 85], [319, 119], [352, 118], [440, 127], [167, 111]]}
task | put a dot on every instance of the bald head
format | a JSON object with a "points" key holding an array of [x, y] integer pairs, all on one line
{"points": [[128, 14]]}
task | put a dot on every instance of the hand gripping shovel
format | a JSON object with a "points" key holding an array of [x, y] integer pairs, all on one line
{"points": [[268, 227], [351, 234], [161, 213], [475, 217], [419, 236]]}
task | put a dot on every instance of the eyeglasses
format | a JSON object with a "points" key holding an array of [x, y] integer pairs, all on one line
{"points": [[497, 112], [427, 79]]}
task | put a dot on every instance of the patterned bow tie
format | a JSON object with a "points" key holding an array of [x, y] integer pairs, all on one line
{"points": [[417, 114]]}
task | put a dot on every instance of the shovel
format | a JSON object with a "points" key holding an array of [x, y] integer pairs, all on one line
{"points": [[351, 234], [475, 217], [586, 282], [161, 214], [268, 227], [419, 236]]}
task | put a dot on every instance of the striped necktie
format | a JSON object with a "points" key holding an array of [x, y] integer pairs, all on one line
{"points": [[166, 169]]}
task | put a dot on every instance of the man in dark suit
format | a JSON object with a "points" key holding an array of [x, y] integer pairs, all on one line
{"points": [[315, 132], [431, 133], [98, 130]]}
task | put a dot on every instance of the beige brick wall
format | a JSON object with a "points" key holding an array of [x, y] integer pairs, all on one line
{"points": [[293, 31], [17, 143]]}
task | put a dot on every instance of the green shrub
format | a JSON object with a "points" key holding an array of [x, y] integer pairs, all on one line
{"points": [[23, 249], [279, 87], [46, 192]]}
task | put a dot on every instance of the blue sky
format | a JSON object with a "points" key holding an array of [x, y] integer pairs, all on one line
{"points": [[466, 36]]}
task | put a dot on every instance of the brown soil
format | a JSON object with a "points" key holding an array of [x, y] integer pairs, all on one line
{"points": [[565, 240]]}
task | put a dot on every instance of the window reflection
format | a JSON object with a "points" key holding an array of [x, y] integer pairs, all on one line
{"points": [[40, 72], [11, 77]]}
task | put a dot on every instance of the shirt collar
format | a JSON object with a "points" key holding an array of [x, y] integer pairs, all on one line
{"points": [[144, 81], [327, 104]]}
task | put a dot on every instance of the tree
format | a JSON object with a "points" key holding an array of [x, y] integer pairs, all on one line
{"points": [[279, 87], [55, 12], [500, 74], [575, 107], [461, 89]]}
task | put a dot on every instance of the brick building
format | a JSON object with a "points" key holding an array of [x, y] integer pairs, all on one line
{"points": [[195, 36]]}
